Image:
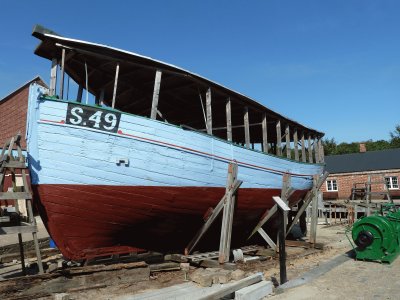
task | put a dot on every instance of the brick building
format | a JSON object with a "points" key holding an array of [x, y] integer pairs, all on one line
{"points": [[349, 169], [13, 111]]}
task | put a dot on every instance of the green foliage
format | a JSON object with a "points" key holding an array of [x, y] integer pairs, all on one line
{"points": [[332, 148]]}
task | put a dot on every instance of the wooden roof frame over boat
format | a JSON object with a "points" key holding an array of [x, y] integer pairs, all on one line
{"points": [[143, 86]]}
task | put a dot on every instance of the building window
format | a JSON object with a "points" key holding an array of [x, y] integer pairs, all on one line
{"points": [[331, 185], [392, 182]]}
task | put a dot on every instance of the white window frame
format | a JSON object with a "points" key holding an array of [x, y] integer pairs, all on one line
{"points": [[329, 185], [392, 186]]}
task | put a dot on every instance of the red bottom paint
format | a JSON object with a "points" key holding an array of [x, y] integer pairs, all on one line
{"points": [[90, 221]]}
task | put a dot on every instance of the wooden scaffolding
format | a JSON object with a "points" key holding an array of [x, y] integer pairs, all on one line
{"points": [[9, 164]]}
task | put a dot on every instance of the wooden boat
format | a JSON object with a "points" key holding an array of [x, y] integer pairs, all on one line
{"points": [[139, 167]]}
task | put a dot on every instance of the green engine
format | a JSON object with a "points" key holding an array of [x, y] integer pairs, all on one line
{"points": [[377, 237]]}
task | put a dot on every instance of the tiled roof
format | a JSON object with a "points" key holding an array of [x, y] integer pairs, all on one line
{"points": [[367, 161]]}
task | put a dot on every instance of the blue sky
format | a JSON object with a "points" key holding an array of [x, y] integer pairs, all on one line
{"points": [[331, 65]]}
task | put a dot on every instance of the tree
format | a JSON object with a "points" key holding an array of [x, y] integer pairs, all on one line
{"points": [[329, 146], [395, 137]]}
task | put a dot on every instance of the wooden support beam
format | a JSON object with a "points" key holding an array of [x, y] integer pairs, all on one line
{"points": [[227, 217], [53, 77], [62, 73], [303, 149], [156, 94], [228, 120], [307, 199], [79, 95], [101, 98], [278, 138], [314, 211], [246, 127], [296, 145], [321, 151], [266, 237], [316, 152], [265, 133], [115, 86], [209, 111], [310, 154], [232, 191], [287, 136]]}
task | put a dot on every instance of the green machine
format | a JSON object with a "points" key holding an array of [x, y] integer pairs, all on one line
{"points": [[377, 237]]}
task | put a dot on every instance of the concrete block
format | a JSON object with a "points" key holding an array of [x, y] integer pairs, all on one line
{"points": [[255, 292], [61, 296], [221, 276], [238, 274], [202, 277]]}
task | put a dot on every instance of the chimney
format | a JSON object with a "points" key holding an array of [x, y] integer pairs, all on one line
{"points": [[363, 148]]}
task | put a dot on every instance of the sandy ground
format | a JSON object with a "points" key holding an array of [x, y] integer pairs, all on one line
{"points": [[348, 280]]}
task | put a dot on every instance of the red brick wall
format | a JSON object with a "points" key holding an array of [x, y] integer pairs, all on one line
{"points": [[13, 113], [345, 183]]}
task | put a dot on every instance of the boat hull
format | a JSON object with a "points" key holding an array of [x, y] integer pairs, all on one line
{"points": [[106, 182], [90, 221]]}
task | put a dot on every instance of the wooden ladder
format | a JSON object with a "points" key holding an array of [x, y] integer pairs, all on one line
{"points": [[8, 166]]}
